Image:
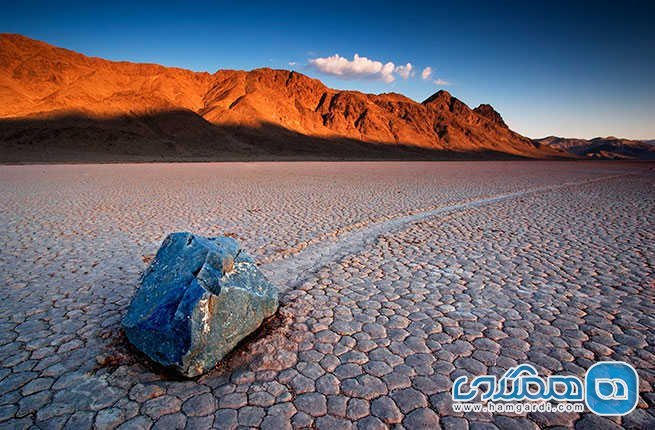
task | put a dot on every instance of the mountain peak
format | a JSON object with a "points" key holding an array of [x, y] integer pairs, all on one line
{"points": [[490, 113], [441, 95]]}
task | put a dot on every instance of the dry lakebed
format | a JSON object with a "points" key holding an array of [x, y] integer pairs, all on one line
{"points": [[395, 278]]}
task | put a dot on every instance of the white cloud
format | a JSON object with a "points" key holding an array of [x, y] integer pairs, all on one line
{"points": [[292, 63], [426, 73], [357, 68], [365, 68], [405, 71]]}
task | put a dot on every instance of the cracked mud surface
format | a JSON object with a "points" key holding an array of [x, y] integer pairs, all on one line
{"points": [[397, 279]]}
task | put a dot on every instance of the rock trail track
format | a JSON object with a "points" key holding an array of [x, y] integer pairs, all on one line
{"points": [[293, 269]]}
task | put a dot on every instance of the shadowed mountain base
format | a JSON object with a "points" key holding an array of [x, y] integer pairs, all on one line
{"points": [[185, 136]]}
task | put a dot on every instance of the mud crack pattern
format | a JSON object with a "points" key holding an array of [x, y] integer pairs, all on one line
{"points": [[445, 279]]}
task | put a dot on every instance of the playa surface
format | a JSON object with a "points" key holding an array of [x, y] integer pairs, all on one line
{"points": [[396, 278]]}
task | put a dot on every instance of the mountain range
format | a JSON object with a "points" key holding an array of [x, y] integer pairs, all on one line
{"points": [[58, 105], [603, 147]]}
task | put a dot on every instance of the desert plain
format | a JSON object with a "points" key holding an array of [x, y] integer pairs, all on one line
{"points": [[395, 279]]}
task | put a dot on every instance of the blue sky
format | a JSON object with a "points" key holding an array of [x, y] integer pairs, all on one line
{"points": [[551, 68]]}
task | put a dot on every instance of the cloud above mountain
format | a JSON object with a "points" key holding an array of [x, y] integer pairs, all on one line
{"points": [[426, 73], [361, 68], [365, 68], [357, 68], [405, 71]]}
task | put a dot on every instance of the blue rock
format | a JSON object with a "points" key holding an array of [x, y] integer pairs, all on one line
{"points": [[198, 298]]}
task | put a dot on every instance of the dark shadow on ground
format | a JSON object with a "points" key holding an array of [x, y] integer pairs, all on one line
{"points": [[181, 135], [118, 351]]}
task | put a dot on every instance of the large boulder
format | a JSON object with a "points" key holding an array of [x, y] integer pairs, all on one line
{"points": [[198, 298]]}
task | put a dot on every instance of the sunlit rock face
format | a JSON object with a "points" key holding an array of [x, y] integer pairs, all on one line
{"points": [[198, 298]]}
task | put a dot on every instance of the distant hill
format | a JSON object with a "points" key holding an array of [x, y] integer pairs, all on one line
{"points": [[59, 105], [603, 147]]}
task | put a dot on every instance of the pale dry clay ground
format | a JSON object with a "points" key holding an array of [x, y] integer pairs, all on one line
{"points": [[397, 278]]}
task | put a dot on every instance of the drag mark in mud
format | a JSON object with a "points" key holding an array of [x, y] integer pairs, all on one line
{"points": [[288, 273]]}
